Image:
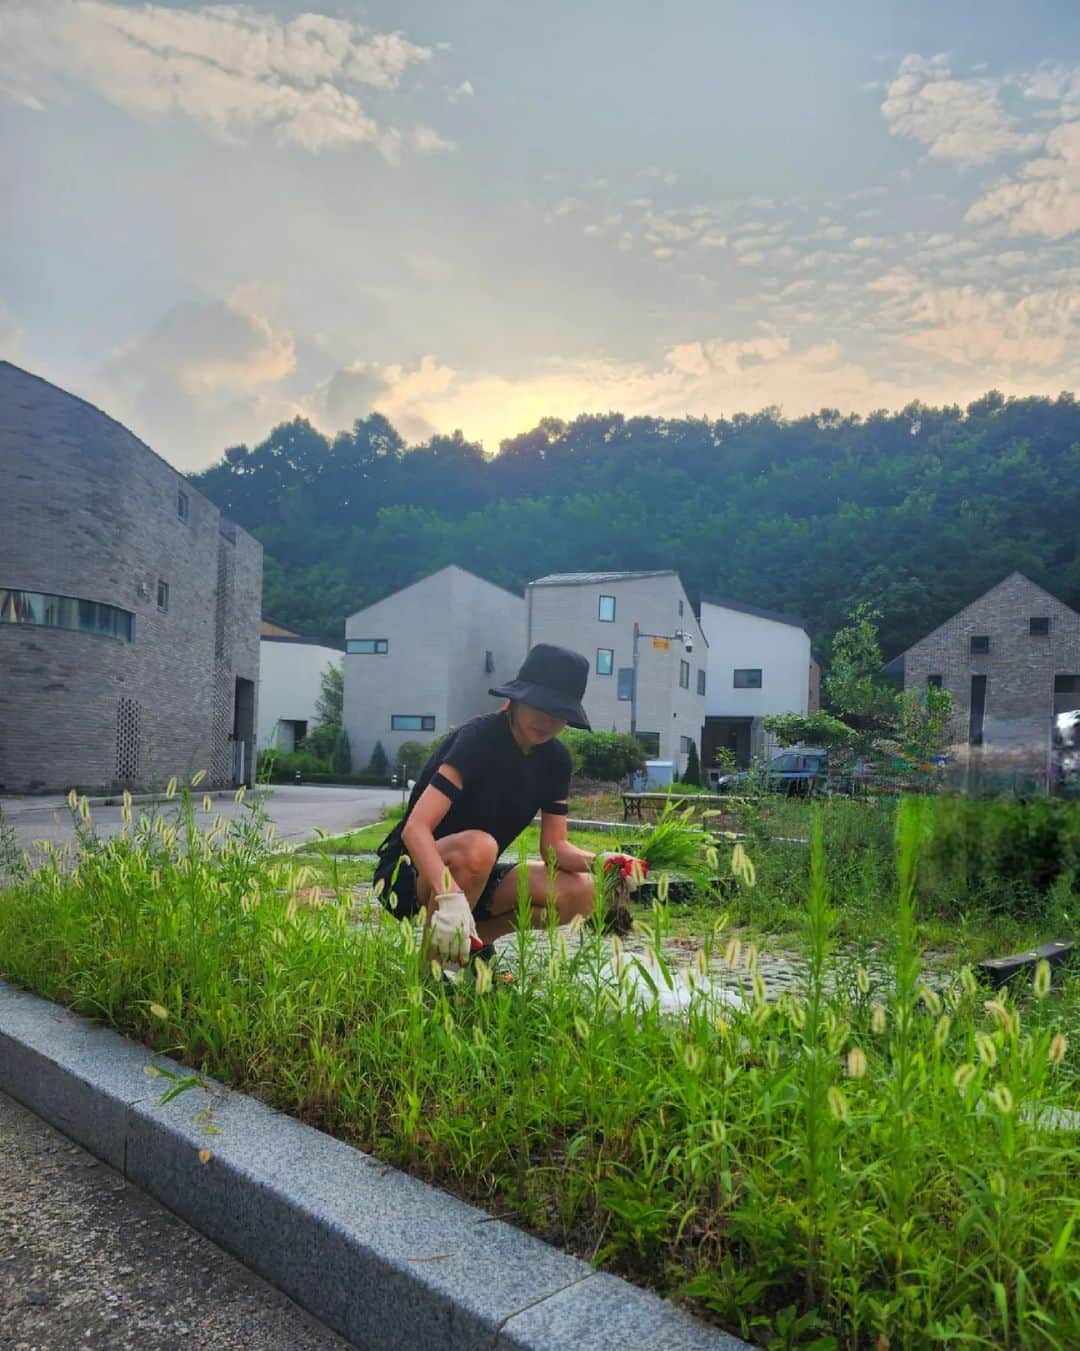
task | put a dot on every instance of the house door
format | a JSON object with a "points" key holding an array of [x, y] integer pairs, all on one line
{"points": [[243, 731]]}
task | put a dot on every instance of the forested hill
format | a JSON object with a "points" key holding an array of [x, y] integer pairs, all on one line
{"points": [[917, 511]]}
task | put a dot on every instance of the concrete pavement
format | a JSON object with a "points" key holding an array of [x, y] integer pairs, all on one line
{"points": [[88, 1260], [297, 812]]}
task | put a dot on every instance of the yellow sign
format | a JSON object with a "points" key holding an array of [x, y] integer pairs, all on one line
{"points": [[661, 645]]}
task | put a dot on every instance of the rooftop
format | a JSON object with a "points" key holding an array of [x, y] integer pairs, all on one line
{"points": [[596, 578], [777, 616]]}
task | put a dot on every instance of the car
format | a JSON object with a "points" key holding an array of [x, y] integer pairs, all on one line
{"points": [[797, 771]]}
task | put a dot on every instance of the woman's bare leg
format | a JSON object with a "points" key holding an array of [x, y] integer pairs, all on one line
{"points": [[572, 894]]}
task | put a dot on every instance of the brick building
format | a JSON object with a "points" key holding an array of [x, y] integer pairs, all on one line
{"points": [[1011, 662], [129, 607]]}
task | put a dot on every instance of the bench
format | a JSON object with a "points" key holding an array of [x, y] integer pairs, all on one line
{"points": [[633, 802]]}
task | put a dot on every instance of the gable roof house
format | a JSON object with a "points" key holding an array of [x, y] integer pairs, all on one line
{"points": [[421, 661], [594, 613], [1011, 662]]}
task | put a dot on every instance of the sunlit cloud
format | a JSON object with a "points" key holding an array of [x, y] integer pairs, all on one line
{"points": [[229, 68]]}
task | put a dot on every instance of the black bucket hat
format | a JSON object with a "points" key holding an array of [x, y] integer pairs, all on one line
{"points": [[552, 679]]}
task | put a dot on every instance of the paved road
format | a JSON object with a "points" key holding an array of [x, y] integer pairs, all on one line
{"points": [[297, 812], [88, 1261]]}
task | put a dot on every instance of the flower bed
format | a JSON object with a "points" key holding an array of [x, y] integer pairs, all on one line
{"points": [[825, 1166]]}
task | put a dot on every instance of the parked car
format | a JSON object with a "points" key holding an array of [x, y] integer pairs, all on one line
{"points": [[798, 771]]}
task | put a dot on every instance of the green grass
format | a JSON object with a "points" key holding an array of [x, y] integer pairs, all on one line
{"points": [[823, 1170], [366, 841]]}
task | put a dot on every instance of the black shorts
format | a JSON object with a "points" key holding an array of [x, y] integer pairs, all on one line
{"points": [[399, 894]]}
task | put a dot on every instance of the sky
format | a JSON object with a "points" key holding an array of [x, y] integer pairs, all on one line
{"points": [[476, 213]]}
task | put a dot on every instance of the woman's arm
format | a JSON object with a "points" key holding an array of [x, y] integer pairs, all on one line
{"points": [[418, 836], [553, 837]]}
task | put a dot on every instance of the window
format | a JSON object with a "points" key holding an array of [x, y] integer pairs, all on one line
{"points": [[933, 682], [680, 609], [183, 504], [1039, 627], [66, 612], [685, 744], [162, 595], [489, 662], [606, 609], [749, 678], [367, 647], [650, 744], [700, 681], [411, 722], [684, 675], [978, 709], [980, 642], [605, 660]]}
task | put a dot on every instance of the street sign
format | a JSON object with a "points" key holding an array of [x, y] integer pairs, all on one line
{"points": [[626, 683], [661, 645]]}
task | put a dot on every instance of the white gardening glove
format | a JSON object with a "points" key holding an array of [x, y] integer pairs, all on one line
{"points": [[453, 928]]}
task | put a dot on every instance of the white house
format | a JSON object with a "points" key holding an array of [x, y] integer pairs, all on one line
{"points": [[290, 675], [421, 661], [759, 663], [594, 613]]}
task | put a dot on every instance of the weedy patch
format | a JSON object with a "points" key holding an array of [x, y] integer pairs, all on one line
{"points": [[848, 1165]]}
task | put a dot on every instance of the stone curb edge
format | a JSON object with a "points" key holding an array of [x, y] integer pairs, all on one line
{"points": [[380, 1257]]}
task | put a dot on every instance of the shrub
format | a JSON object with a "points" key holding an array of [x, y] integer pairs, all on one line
{"points": [[608, 756], [284, 764], [320, 741], [341, 761], [693, 766], [380, 761], [412, 756]]}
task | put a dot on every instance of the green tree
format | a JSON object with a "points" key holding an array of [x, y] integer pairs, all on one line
{"points": [[606, 756], [341, 761], [693, 766], [412, 756], [330, 705], [379, 763]]}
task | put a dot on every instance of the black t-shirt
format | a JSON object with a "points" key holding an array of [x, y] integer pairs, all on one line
{"points": [[502, 787]]}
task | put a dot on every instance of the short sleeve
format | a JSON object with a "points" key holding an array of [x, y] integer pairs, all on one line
{"points": [[557, 788], [469, 751]]}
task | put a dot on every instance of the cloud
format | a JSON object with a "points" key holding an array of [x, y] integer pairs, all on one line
{"points": [[229, 68], [1044, 197], [203, 376], [10, 335], [960, 120], [1028, 335]]}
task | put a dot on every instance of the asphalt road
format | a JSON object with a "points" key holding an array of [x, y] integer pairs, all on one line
{"points": [[297, 812], [89, 1261]]}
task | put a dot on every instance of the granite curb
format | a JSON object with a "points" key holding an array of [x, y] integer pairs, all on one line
{"points": [[377, 1255]]}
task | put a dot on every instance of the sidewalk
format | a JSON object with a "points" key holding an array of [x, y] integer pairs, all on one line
{"points": [[87, 1260]]}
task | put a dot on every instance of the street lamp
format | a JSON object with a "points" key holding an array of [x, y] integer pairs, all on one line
{"points": [[679, 635]]}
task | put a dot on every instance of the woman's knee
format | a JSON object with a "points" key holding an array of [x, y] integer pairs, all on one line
{"points": [[475, 852]]}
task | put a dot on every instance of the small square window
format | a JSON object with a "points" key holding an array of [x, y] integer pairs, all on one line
{"points": [[684, 675], [183, 504], [748, 678], [980, 642], [684, 744], [700, 681], [162, 595], [1039, 627], [933, 682], [605, 660], [650, 743], [606, 610]]}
